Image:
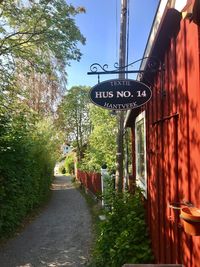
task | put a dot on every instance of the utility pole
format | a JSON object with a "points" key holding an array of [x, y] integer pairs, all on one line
{"points": [[122, 63]]}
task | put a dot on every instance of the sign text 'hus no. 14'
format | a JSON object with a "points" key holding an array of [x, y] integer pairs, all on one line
{"points": [[120, 94]]}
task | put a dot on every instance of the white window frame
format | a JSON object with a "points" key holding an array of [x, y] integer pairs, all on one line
{"points": [[141, 181]]}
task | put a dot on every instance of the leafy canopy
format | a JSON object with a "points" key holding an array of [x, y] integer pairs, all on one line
{"points": [[74, 117], [102, 141], [42, 33]]}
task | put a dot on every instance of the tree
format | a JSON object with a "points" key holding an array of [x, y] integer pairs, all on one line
{"points": [[37, 40], [74, 117], [40, 33], [42, 92], [102, 141]]}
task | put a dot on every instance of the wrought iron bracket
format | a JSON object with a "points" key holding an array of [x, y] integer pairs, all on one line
{"points": [[153, 65]]}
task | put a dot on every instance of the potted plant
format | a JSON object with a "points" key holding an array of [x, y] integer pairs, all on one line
{"points": [[191, 220]]}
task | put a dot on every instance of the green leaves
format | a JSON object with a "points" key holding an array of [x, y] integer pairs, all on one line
{"points": [[44, 24], [37, 40], [123, 235], [41, 33], [28, 151], [74, 117], [102, 141]]}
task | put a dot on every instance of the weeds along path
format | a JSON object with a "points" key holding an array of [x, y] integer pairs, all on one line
{"points": [[59, 236]]}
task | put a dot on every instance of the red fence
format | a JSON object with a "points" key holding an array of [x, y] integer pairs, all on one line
{"points": [[90, 180]]}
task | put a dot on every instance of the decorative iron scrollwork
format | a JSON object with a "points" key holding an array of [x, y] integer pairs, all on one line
{"points": [[153, 64], [95, 67]]}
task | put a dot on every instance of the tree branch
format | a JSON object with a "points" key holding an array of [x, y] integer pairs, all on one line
{"points": [[8, 49]]}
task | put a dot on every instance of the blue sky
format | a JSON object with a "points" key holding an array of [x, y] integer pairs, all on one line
{"points": [[101, 27]]}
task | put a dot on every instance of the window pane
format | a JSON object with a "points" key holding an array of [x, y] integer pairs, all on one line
{"points": [[140, 151]]}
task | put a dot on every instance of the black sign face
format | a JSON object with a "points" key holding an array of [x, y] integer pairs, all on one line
{"points": [[120, 94]]}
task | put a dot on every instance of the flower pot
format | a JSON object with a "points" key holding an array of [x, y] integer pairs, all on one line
{"points": [[191, 220]]}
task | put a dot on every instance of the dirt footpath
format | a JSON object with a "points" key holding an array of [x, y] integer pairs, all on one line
{"points": [[60, 236]]}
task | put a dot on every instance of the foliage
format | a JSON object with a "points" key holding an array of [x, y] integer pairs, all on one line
{"points": [[123, 236], [38, 38], [28, 151], [41, 92], [102, 141], [40, 33], [62, 169], [69, 164], [74, 117]]}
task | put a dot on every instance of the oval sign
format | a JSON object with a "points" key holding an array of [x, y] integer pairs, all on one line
{"points": [[120, 94]]}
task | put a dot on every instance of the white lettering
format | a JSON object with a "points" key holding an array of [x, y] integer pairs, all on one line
{"points": [[111, 94], [123, 94], [127, 93], [108, 94], [141, 94], [134, 104], [120, 94], [120, 106], [98, 95], [120, 83], [107, 105]]}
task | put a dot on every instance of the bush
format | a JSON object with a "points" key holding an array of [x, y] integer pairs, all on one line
{"points": [[69, 164], [123, 236], [62, 168], [63, 171], [27, 159]]}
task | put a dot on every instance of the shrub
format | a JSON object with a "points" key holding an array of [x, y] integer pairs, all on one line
{"points": [[27, 158], [63, 171], [62, 168], [123, 236], [69, 164]]}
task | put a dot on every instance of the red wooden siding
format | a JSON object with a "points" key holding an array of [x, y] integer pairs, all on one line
{"points": [[173, 147]]}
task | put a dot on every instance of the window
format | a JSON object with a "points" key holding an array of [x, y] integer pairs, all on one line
{"points": [[140, 150]]}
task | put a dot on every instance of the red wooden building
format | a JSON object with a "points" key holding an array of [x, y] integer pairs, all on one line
{"points": [[166, 131]]}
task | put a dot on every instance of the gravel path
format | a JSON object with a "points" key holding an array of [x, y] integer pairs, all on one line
{"points": [[60, 236]]}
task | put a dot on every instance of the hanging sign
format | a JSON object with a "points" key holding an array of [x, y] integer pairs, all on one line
{"points": [[120, 94]]}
